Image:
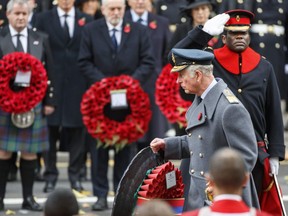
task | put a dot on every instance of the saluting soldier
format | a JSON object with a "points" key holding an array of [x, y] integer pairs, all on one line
{"points": [[268, 33], [29, 140], [214, 120]]}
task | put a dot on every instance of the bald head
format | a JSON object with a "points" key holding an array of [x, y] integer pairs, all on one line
{"points": [[227, 170]]}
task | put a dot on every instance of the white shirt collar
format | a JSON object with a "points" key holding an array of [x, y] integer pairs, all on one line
{"points": [[227, 197], [136, 17], [13, 32], [61, 12], [212, 84], [118, 27]]}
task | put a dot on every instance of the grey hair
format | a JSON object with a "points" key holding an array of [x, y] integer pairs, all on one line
{"points": [[207, 70], [11, 3], [106, 1]]}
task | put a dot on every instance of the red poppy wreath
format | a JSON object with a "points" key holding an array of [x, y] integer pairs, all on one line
{"points": [[28, 97], [168, 97], [110, 132]]}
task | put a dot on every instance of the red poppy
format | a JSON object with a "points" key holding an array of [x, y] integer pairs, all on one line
{"points": [[153, 24], [28, 97], [127, 28], [199, 116], [168, 97], [82, 21], [106, 130]]}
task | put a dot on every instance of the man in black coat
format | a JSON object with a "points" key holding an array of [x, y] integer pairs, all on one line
{"points": [[64, 25], [98, 59], [158, 29]]}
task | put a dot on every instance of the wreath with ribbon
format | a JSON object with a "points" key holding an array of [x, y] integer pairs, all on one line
{"points": [[110, 132], [168, 97], [28, 97]]}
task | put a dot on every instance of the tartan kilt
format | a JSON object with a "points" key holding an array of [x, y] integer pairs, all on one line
{"points": [[33, 139]]}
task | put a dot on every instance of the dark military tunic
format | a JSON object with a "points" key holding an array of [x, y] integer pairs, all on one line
{"points": [[268, 31]]}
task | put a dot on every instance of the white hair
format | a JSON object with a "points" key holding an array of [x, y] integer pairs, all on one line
{"points": [[207, 70], [11, 3]]}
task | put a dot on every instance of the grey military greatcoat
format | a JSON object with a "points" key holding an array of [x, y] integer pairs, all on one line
{"points": [[220, 120]]}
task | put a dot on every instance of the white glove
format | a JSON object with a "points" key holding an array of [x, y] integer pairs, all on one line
{"points": [[215, 25], [274, 165]]}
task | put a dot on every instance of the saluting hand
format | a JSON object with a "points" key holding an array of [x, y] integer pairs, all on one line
{"points": [[157, 144], [215, 25]]}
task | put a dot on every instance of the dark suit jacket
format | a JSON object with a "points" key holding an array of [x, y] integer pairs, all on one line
{"points": [[134, 57], [38, 46], [160, 37], [70, 83]]}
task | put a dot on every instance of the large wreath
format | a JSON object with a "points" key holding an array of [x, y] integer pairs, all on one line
{"points": [[28, 97], [168, 97], [108, 131]]}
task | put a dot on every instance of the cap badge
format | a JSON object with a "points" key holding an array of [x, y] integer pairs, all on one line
{"points": [[237, 18]]}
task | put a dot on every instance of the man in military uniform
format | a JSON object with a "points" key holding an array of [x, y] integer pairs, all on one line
{"points": [[252, 80], [215, 120], [268, 34]]}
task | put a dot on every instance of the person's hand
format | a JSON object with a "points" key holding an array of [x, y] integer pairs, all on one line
{"points": [[48, 110], [157, 144], [215, 25], [274, 165]]}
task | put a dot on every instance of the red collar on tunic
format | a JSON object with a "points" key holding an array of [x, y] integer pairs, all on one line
{"points": [[230, 60], [229, 206]]}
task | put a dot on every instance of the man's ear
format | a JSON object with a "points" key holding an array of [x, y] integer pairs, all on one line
{"points": [[223, 37], [246, 179]]}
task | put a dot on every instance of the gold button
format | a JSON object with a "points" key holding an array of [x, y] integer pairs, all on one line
{"points": [[48, 82], [280, 1], [277, 45], [260, 22], [281, 10], [199, 137], [192, 171], [191, 152], [279, 22], [201, 155], [239, 90], [51, 89], [189, 134], [219, 1], [51, 95], [240, 1], [202, 173], [259, 10], [261, 34], [1, 7], [262, 45], [259, 1]]}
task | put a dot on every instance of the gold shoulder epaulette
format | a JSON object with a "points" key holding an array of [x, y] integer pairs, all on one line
{"points": [[230, 96]]}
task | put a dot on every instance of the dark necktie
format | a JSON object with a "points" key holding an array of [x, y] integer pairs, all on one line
{"points": [[19, 47], [114, 40], [140, 20], [66, 29]]}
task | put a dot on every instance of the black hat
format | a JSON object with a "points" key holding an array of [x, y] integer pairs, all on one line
{"points": [[182, 58], [191, 4], [240, 20]]}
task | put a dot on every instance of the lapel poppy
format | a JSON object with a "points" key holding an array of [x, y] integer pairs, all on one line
{"points": [[199, 116], [127, 28], [153, 24], [82, 21]]}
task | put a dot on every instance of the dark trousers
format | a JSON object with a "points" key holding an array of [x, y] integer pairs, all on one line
{"points": [[99, 167], [76, 140]]}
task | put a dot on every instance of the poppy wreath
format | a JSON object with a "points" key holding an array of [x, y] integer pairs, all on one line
{"points": [[154, 185], [110, 132], [28, 97], [168, 97]]}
